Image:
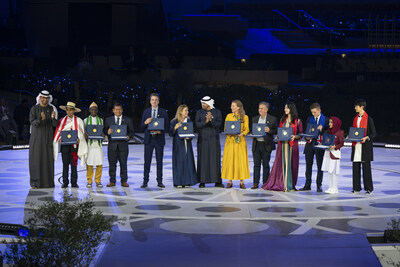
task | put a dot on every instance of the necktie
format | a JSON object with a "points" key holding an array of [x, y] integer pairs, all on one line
{"points": [[316, 120], [154, 113], [117, 121]]}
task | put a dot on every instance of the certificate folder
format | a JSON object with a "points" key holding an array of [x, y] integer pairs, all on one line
{"points": [[311, 131], [284, 134], [69, 137], [258, 130], [355, 134], [94, 131], [328, 140], [186, 130], [232, 127], [119, 132], [156, 124]]}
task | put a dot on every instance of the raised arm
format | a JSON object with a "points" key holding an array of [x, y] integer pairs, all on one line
{"points": [[200, 120], [217, 120], [34, 117]]}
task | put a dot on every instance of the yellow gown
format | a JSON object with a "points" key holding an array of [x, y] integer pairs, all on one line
{"points": [[235, 161]]}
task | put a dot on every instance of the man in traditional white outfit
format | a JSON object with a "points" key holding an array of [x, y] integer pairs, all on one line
{"points": [[95, 149], [71, 153]]}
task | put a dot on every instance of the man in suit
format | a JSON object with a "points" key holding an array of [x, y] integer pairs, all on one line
{"points": [[118, 150], [362, 152], [154, 139], [309, 151], [262, 147]]}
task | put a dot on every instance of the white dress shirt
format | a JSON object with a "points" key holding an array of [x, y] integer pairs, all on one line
{"points": [[120, 120], [358, 147], [264, 121]]}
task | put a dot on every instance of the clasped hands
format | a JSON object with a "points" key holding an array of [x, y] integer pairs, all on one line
{"points": [[43, 116]]}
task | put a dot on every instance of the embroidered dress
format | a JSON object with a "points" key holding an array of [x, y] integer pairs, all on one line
{"points": [[284, 172], [235, 161]]}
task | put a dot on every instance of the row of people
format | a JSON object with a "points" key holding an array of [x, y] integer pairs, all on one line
{"points": [[44, 144], [235, 164]]}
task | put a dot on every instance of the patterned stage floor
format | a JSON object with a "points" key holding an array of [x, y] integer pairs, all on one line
{"points": [[215, 210]]}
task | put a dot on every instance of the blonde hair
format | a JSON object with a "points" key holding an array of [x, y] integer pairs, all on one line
{"points": [[242, 113], [178, 115]]}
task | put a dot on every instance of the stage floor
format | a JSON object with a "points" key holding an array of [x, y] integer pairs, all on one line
{"points": [[216, 211]]}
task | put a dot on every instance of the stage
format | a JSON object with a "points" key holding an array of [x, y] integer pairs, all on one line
{"points": [[154, 215]]}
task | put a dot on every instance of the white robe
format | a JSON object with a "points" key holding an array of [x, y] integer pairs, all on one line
{"points": [[95, 152], [331, 165]]}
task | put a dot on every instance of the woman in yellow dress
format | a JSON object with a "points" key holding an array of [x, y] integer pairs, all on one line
{"points": [[235, 161]]}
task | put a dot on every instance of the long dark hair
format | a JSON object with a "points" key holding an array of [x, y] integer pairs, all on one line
{"points": [[293, 112]]}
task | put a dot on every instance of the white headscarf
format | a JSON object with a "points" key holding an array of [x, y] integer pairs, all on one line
{"points": [[208, 100], [46, 93]]}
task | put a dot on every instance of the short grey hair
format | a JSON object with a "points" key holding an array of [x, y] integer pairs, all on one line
{"points": [[264, 103]]}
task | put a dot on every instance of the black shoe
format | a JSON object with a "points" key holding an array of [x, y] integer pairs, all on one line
{"points": [[144, 185], [75, 186], [305, 188], [255, 186], [64, 186], [202, 185], [161, 185], [319, 189], [221, 185]]}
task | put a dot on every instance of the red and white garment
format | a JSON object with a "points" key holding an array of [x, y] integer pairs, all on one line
{"points": [[67, 124]]}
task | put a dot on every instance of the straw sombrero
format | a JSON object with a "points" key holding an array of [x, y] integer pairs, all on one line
{"points": [[70, 105]]}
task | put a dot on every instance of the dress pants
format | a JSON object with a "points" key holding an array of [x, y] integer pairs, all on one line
{"points": [[261, 154], [97, 176], [113, 158], [148, 154], [367, 176], [309, 155], [67, 159]]}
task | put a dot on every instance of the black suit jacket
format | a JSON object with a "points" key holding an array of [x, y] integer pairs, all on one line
{"points": [[367, 152], [162, 113], [272, 123], [121, 145]]}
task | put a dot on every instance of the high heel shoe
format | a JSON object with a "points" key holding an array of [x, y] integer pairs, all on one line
{"points": [[229, 185], [242, 186]]}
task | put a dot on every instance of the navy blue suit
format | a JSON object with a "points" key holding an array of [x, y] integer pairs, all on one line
{"points": [[310, 151], [118, 150], [151, 142]]}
